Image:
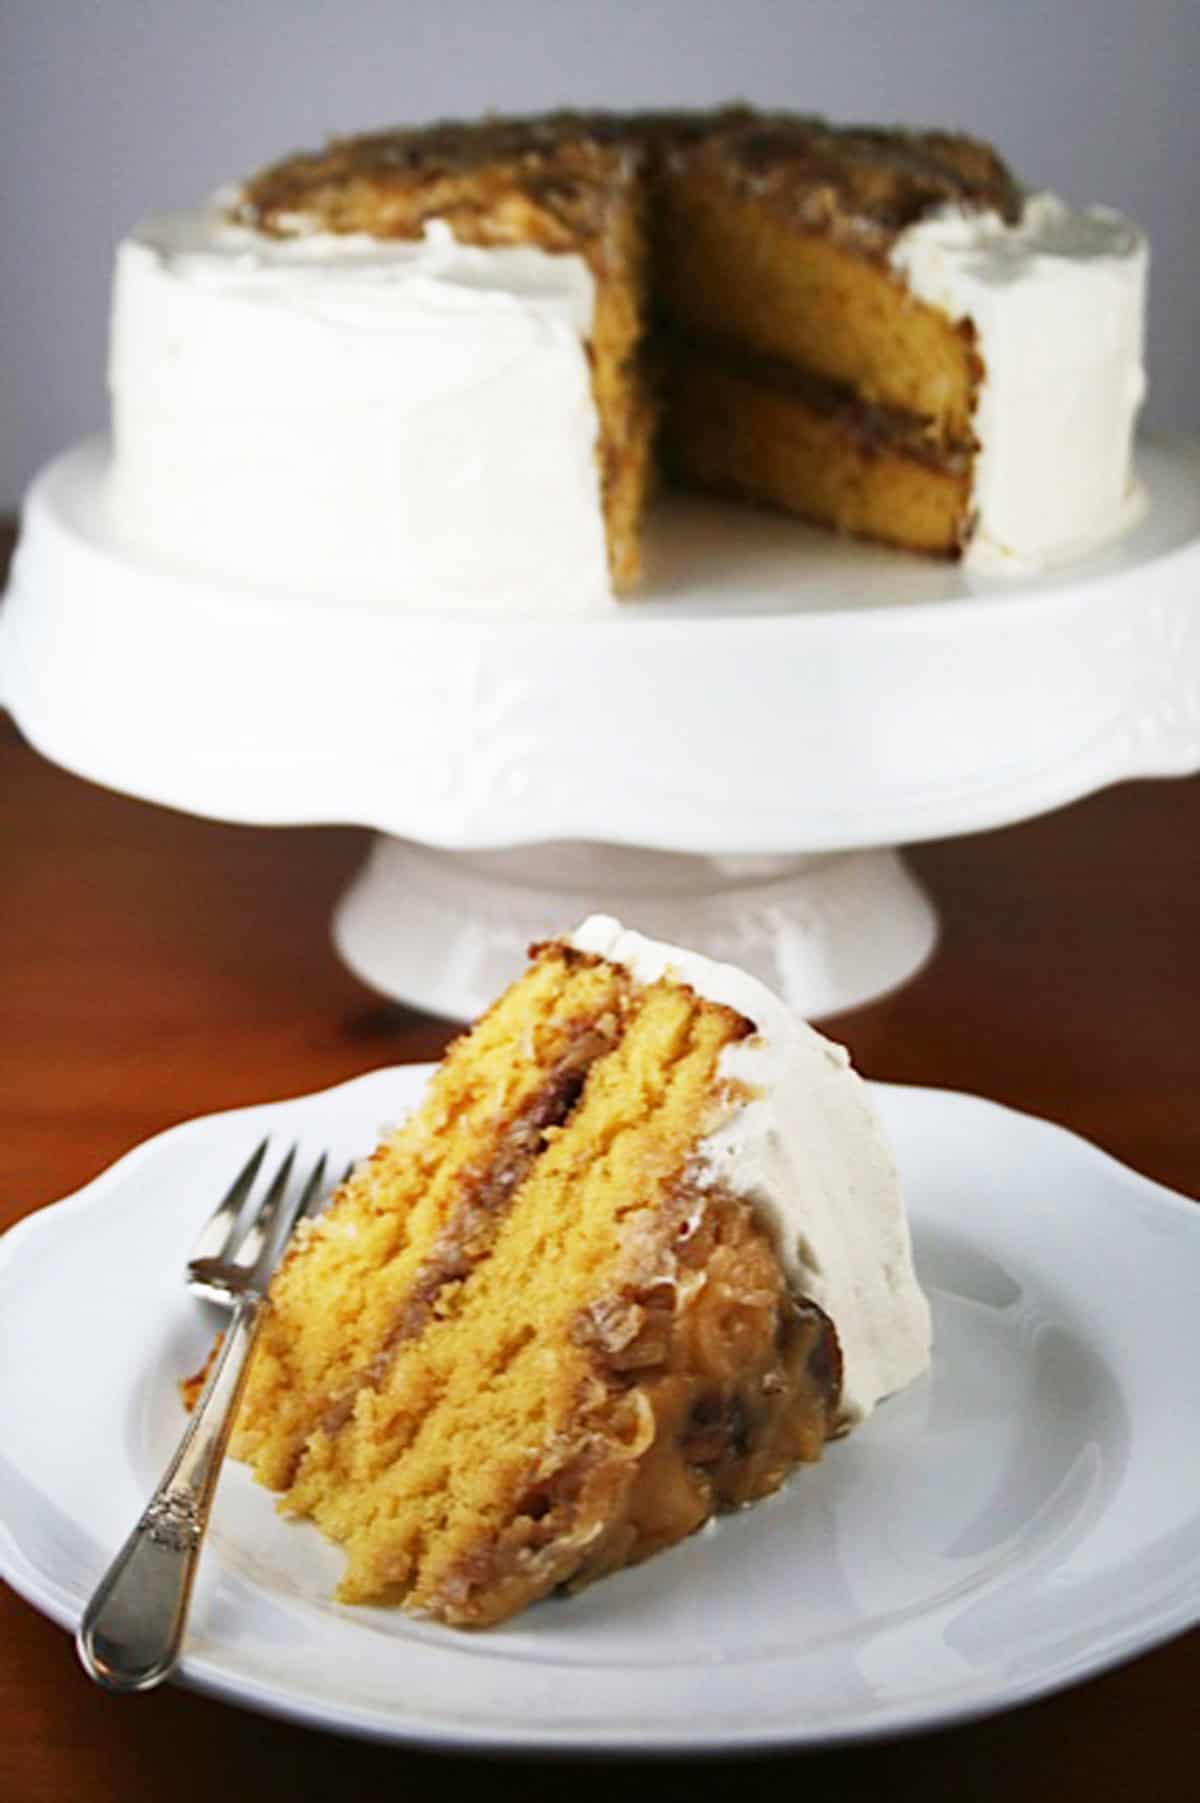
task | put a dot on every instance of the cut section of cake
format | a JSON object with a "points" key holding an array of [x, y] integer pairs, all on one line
{"points": [[883, 332], [775, 232], [639, 1252]]}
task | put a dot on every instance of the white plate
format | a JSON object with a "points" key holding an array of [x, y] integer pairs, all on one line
{"points": [[1026, 1517]]}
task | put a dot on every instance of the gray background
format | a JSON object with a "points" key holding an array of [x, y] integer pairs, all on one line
{"points": [[113, 109]]}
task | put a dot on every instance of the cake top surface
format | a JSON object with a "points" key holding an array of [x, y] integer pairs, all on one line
{"points": [[869, 181], [552, 177], [550, 180]]}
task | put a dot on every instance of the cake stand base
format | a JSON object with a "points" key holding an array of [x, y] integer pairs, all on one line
{"points": [[446, 930]]}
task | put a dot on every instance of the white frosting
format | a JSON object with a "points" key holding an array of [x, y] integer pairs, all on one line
{"points": [[1058, 305], [808, 1150], [389, 422], [348, 418]]}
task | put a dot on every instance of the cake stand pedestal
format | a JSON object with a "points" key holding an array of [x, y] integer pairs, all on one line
{"points": [[452, 928], [725, 763]]}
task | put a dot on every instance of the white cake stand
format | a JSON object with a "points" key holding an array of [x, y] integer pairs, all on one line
{"points": [[724, 764]]}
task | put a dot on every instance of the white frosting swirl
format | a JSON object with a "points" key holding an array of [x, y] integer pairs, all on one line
{"points": [[808, 1150], [1058, 306]]}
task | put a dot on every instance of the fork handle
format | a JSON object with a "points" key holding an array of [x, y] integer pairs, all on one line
{"points": [[132, 1629]]}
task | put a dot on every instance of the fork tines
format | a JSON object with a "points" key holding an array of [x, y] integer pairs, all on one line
{"points": [[240, 1244]]}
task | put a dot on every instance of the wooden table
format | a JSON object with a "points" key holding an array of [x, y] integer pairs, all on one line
{"points": [[153, 966]]}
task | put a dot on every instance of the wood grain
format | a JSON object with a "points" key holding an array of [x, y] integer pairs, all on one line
{"points": [[155, 966]]}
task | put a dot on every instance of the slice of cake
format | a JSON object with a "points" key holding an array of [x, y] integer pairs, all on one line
{"points": [[640, 1251]]}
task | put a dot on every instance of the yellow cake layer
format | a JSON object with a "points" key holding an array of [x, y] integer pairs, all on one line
{"points": [[735, 433], [343, 1291], [469, 1414], [731, 267]]}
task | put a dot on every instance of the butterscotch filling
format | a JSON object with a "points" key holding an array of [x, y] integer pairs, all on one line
{"points": [[706, 1386], [871, 427]]}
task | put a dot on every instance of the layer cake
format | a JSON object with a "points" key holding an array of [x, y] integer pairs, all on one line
{"points": [[428, 365]]}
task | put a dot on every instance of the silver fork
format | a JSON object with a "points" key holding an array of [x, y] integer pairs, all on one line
{"points": [[132, 1629]]}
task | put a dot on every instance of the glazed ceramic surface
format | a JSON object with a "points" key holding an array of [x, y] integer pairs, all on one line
{"points": [[777, 690]]}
